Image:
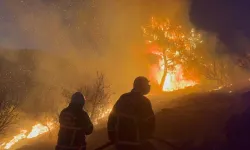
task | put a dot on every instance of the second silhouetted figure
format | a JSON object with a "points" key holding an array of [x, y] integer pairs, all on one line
{"points": [[132, 121]]}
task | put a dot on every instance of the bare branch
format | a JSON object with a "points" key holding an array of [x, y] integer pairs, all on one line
{"points": [[8, 113]]}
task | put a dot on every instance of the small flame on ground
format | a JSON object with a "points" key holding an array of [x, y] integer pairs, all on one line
{"points": [[37, 130], [216, 89], [15, 139], [224, 86], [40, 129]]}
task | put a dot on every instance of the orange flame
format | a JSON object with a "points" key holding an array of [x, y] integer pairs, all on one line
{"points": [[175, 80], [40, 129], [37, 130], [174, 47], [15, 139]]}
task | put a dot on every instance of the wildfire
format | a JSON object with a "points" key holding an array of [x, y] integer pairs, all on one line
{"points": [[40, 129], [102, 115], [175, 80], [15, 139], [174, 48], [37, 130]]}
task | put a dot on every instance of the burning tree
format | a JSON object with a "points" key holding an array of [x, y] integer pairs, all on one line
{"points": [[174, 46]]}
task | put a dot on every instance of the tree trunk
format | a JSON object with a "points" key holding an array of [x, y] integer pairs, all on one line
{"points": [[163, 78], [165, 71]]}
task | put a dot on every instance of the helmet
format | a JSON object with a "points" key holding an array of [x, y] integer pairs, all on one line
{"points": [[78, 98], [141, 84]]}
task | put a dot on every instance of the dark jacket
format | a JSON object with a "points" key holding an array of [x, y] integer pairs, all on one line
{"points": [[132, 120], [75, 124]]}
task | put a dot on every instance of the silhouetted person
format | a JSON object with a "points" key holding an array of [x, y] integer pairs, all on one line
{"points": [[75, 124], [131, 122]]}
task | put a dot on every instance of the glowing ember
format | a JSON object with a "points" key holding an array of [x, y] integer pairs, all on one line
{"points": [[37, 130]]}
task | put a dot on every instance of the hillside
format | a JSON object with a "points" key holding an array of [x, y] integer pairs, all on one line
{"points": [[181, 117], [192, 119]]}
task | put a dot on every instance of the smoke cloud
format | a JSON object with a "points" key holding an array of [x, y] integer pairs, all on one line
{"points": [[72, 39], [227, 19]]}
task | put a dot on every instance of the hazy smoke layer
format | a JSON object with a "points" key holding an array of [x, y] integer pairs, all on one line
{"points": [[72, 39]]}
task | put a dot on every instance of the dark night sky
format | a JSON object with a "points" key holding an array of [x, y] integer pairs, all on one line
{"points": [[228, 19]]}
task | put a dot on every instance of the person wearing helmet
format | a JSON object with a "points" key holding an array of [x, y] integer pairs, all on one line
{"points": [[75, 124], [131, 122]]}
